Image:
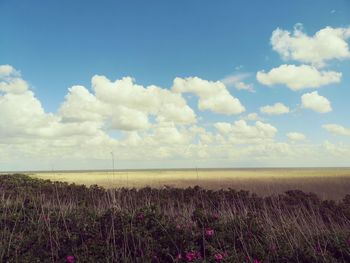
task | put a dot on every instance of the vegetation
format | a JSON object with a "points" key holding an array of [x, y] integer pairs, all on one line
{"points": [[44, 221]]}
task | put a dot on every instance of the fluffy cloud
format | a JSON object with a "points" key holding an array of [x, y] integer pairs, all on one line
{"points": [[212, 95], [163, 103], [223, 127], [337, 129], [236, 80], [252, 117], [340, 151], [244, 86], [81, 105], [124, 105], [316, 102], [296, 136], [276, 109], [326, 44], [85, 118], [10, 81], [24, 121], [144, 126], [7, 70], [241, 133], [298, 77]]}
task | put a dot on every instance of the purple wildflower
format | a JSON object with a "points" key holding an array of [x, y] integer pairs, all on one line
{"points": [[70, 259]]}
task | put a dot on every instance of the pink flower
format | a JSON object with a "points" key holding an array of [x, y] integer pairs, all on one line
{"points": [[179, 256], [192, 255], [257, 261], [209, 232], [178, 227], [70, 259], [216, 216], [348, 242], [218, 257]]}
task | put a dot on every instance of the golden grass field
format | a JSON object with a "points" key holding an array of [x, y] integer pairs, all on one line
{"points": [[330, 183]]}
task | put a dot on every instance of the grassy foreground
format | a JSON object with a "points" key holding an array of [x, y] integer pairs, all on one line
{"points": [[44, 221]]}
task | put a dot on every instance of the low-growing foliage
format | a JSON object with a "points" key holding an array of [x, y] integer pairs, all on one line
{"points": [[44, 221]]}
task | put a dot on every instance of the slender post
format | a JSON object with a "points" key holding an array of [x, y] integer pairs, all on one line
{"points": [[112, 154], [53, 173], [127, 179]]}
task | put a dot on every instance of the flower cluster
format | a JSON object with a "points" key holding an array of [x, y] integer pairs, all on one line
{"points": [[192, 256]]}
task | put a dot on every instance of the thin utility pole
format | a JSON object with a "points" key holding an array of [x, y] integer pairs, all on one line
{"points": [[112, 154]]}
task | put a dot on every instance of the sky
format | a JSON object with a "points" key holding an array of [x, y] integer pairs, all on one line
{"points": [[174, 84]]}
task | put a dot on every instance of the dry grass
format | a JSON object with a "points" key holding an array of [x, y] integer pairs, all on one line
{"points": [[328, 183], [41, 221]]}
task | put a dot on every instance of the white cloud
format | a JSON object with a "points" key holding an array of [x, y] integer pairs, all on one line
{"points": [[337, 129], [153, 100], [7, 70], [242, 133], [125, 105], [144, 127], [81, 105], [339, 150], [276, 109], [316, 102], [244, 86], [252, 117], [236, 80], [212, 95], [296, 136], [298, 77], [326, 44], [21, 114], [10, 81], [223, 127]]}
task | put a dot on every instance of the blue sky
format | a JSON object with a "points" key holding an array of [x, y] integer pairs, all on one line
{"points": [[58, 44]]}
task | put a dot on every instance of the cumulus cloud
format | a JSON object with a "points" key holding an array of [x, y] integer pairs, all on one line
{"points": [[212, 95], [144, 124], [81, 105], [316, 102], [236, 80], [339, 150], [7, 70], [163, 103], [296, 136], [124, 105], [240, 132], [298, 77], [337, 129], [326, 44], [10, 80], [252, 117], [24, 122], [276, 109], [223, 127], [85, 118]]}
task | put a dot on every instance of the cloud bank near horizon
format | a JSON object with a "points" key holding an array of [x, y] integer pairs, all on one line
{"points": [[162, 126]]}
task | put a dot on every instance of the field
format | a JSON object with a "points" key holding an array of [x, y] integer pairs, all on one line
{"points": [[327, 183], [55, 221]]}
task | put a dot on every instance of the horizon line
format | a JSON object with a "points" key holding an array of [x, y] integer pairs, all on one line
{"points": [[175, 169]]}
